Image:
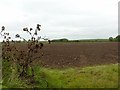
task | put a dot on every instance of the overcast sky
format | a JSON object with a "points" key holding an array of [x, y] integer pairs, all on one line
{"points": [[72, 19]]}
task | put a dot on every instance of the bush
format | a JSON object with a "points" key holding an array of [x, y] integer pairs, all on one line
{"points": [[60, 40], [111, 39], [118, 38]]}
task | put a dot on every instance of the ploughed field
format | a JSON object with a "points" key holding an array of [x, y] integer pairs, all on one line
{"points": [[79, 54], [59, 55]]}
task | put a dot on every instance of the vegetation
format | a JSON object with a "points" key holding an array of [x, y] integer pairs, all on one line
{"points": [[60, 40], [111, 39], [90, 40], [21, 60], [88, 77], [117, 38], [104, 76], [20, 71]]}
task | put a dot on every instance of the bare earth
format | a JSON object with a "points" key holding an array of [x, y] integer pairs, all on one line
{"points": [[59, 55], [79, 54]]}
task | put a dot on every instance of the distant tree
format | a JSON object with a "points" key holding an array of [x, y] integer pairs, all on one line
{"points": [[118, 38], [60, 40], [111, 39], [64, 40]]}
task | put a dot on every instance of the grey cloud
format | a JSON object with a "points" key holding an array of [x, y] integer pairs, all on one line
{"points": [[73, 19]]}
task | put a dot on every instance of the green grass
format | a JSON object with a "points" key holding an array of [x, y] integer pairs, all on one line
{"points": [[103, 76], [10, 76]]}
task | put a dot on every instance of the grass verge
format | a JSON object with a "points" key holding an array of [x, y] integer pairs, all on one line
{"points": [[102, 76]]}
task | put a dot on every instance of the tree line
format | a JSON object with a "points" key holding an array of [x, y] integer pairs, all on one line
{"points": [[117, 38]]}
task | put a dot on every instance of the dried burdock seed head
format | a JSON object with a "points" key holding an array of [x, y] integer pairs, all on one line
{"points": [[17, 35], [4, 37], [31, 29], [32, 38], [3, 28], [7, 33], [25, 29], [9, 37], [38, 27]]}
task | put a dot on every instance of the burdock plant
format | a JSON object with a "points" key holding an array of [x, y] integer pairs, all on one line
{"points": [[33, 47], [23, 58]]}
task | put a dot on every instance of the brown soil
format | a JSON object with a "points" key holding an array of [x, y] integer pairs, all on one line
{"points": [[79, 54], [59, 55]]}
